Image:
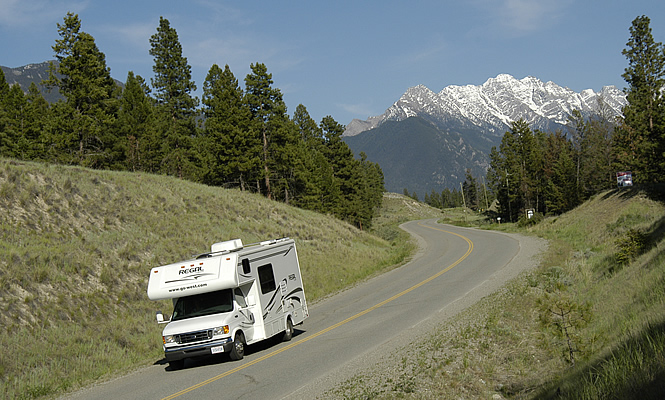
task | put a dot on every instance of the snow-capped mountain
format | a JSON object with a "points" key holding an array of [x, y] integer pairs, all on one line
{"points": [[492, 106], [427, 141]]}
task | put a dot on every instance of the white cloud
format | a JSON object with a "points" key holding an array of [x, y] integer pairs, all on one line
{"points": [[520, 17], [362, 110], [22, 13], [531, 15], [222, 13], [136, 34], [205, 47], [233, 51]]}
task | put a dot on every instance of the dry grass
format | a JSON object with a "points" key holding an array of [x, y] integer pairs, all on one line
{"points": [[502, 348], [76, 246]]}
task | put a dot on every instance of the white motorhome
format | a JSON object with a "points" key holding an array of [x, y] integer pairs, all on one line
{"points": [[230, 297]]}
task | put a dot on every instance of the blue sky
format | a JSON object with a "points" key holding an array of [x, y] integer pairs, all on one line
{"points": [[350, 59]]}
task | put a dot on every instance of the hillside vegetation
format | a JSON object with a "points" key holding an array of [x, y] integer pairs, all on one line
{"points": [[588, 323], [76, 247]]}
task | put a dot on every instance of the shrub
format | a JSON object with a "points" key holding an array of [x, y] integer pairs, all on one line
{"points": [[630, 246]]}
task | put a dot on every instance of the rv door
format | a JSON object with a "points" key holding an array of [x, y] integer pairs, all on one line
{"points": [[246, 310]]}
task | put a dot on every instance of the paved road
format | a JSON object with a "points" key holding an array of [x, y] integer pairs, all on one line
{"points": [[340, 330]]}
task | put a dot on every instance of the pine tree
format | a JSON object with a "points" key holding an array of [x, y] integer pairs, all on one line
{"points": [[371, 191], [172, 83], [84, 135], [579, 132], [559, 187], [347, 172], [339, 157], [269, 121], [314, 170], [470, 188], [286, 153], [4, 117], [310, 132], [436, 199], [504, 173], [14, 107], [644, 113], [31, 146], [232, 151], [592, 142], [176, 106], [446, 199], [4, 86], [515, 173], [600, 171], [136, 126]]}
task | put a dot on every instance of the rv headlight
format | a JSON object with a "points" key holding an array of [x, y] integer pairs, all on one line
{"points": [[169, 339], [221, 330]]}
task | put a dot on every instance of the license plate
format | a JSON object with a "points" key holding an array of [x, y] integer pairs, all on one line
{"points": [[217, 349]]}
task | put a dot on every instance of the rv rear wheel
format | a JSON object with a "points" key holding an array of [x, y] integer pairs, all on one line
{"points": [[238, 350], [288, 333]]}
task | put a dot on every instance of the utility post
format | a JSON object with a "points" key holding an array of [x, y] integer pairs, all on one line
{"points": [[510, 211], [487, 205], [463, 201]]}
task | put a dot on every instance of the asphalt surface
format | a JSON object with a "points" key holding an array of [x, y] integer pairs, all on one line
{"points": [[342, 331]]}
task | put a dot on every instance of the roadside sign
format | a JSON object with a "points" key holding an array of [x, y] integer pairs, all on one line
{"points": [[624, 178]]}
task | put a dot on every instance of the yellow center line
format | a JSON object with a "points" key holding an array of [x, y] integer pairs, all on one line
{"points": [[337, 325]]}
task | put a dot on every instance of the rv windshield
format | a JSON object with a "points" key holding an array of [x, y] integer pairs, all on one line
{"points": [[198, 305]]}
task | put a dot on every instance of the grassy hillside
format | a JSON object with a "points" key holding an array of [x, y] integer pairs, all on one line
{"points": [[589, 323], [76, 246]]}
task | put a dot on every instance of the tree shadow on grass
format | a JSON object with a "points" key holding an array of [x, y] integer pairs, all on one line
{"points": [[634, 369]]}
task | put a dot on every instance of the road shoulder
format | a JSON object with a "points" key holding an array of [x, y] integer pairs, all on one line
{"points": [[383, 363]]}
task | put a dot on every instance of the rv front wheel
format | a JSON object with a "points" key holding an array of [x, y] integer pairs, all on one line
{"points": [[238, 350], [288, 333]]}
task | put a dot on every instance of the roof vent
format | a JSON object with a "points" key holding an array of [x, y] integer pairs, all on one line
{"points": [[229, 245]]}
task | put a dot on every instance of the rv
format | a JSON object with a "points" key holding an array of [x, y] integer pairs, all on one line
{"points": [[233, 296]]}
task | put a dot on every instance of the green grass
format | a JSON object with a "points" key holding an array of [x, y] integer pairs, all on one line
{"points": [[76, 247], [605, 261]]}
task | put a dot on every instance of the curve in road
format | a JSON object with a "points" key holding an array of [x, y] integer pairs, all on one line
{"points": [[343, 331]]}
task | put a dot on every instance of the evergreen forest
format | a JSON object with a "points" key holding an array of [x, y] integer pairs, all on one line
{"points": [[243, 138], [233, 137], [550, 173]]}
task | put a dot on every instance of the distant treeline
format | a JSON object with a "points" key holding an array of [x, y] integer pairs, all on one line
{"points": [[236, 139], [553, 172]]}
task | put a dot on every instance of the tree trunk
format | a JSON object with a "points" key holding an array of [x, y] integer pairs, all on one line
{"points": [[265, 164]]}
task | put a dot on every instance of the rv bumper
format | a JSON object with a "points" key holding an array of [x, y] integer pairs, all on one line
{"points": [[202, 349]]}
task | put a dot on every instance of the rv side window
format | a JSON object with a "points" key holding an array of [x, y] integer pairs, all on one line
{"points": [[240, 298], [266, 278]]}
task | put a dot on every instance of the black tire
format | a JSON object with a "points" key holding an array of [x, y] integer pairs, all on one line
{"points": [[177, 364], [238, 350], [288, 333]]}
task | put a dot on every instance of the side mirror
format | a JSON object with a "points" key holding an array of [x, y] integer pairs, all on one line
{"points": [[160, 318]]}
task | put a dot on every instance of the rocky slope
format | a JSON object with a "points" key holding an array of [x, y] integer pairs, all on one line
{"points": [[491, 107]]}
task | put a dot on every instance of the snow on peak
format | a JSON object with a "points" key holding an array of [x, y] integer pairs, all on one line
{"points": [[496, 103]]}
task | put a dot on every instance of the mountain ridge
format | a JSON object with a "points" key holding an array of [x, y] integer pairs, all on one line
{"points": [[463, 123], [36, 72], [492, 106]]}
